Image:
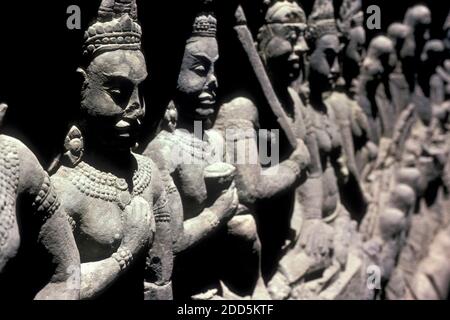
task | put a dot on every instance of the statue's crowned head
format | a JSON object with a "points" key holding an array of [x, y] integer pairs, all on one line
{"points": [[398, 32], [380, 61], [324, 62], [281, 40], [418, 19], [112, 72], [196, 92]]}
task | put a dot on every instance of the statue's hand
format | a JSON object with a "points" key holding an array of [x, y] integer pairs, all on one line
{"points": [[226, 205], [315, 238], [139, 226], [301, 155]]}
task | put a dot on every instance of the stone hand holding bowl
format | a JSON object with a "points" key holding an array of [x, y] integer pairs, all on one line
{"points": [[219, 177]]}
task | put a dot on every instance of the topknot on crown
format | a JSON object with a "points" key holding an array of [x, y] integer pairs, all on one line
{"points": [[350, 16], [322, 20], [285, 11], [115, 28], [418, 14], [205, 25]]}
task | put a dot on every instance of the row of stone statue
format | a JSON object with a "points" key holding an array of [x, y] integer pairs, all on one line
{"points": [[368, 172]]}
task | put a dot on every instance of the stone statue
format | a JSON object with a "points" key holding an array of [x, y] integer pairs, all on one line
{"points": [[187, 149], [432, 277], [116, 199], [374, 95], [35, 232], [316, 274], [358, 148], [429, 278], [281, 44], [418, 21], [427, 150], [353, 124], [398, 32]]}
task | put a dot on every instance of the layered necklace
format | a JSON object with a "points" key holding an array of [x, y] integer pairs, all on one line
{"points": [[106, 186]]}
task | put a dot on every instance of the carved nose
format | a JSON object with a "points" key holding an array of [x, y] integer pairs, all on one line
{"points": [[212, 82], [335, 69], [301, 47], [134, 111]]}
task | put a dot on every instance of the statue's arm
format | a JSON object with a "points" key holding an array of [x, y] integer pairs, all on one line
{"points": [[55, 238], [190, 232], [238, 123]]}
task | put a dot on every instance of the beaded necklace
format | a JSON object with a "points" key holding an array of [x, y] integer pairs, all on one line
{"points": [[105, 186]]}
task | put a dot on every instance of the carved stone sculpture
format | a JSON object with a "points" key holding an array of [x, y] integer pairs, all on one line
{"points": [[281, 44], [33, 227], [358, 148], [398, 32], [116, 199], [333, 257], [418, 20], [427, 150], [186, 151], [374, 88]]}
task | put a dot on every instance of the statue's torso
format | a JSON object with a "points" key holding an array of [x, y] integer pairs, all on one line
{"points": [[96, 202], [188, 158], [328, 141]]}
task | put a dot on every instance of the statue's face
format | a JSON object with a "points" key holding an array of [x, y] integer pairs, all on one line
{"points": [[354, 54], [379, 64], [324, 64], [197, 82], [420, 22], [111, 97], [422, 29], [284, 50]]}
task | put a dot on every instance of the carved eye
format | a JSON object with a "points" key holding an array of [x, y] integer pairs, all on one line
{"points": [[200, 69], [115, 92]]}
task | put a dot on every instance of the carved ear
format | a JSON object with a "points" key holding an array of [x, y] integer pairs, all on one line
{"points": [[82, 77], [74, 146], [170, 120]]}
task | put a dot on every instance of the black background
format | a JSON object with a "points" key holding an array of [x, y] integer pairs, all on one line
{"points": [[39, 56]]}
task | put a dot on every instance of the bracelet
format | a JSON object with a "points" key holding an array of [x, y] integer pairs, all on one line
{"points": [[123, 257]]}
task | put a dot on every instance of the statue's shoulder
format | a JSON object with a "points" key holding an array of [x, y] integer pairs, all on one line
{"points": [[159, 150], [215, 137], [146, 163], [24, 164], [239, 109], [340, 105], [10, 144]]}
